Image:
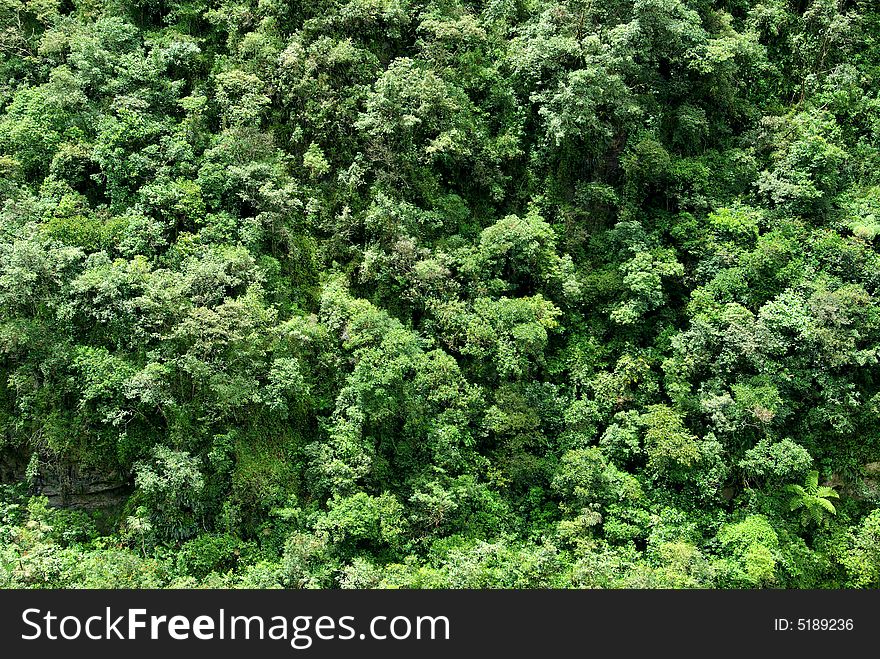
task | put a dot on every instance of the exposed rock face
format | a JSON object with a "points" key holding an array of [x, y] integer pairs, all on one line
{"points": [[74, 486], [67, 484], [13, 466], [872, 479], [865, 488]]}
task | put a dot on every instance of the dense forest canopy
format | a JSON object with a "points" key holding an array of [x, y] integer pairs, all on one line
{"points": [[440, 293]]}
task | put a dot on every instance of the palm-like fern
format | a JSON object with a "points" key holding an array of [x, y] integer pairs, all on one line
{"points": [[812, 498]]}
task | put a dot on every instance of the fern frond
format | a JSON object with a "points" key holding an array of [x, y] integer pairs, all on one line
{"points": [[827, 493], [797, 490], [827, 505]]}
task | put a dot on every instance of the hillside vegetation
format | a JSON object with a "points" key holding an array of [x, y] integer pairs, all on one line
{"points": [[440, 293]]}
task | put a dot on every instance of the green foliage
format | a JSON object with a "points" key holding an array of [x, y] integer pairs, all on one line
{"points": [[753, 546], [777, 460], [862, 559], [170, 490], [813, 499], [208, 553], [671, 449], [396, 294]]}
